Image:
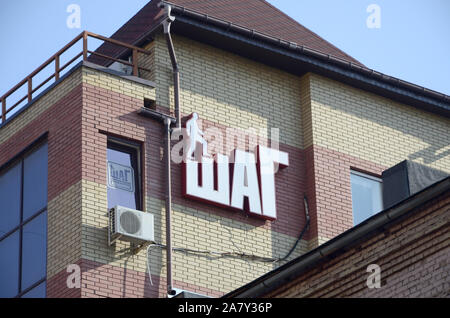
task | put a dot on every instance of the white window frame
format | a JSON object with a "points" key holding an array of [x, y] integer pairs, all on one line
{"points": [[370, 177]]}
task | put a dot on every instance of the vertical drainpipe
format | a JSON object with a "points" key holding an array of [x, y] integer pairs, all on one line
{"points": [[176, 84], [167, 121], [170, 290], [173, 59]]}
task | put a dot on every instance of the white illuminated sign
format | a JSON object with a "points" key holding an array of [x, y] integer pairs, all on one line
{"points": [[242, 181]]}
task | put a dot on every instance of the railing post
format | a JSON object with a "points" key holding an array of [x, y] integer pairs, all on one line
{"points": [[3, 110], [85, 48], [30, 88], [135, 63], [56, 67]]}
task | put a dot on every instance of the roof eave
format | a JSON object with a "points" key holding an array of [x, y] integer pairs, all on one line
{"points": [[311, 61]]}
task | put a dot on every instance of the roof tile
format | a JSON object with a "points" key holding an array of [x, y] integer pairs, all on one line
{"points": [[258, 15]]}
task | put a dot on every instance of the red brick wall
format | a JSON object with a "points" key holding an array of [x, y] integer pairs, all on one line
{"points": [[62, 121], [77, 150], [102, 280], [413, 255], [329, 189], [116, 115], [57, 285]]}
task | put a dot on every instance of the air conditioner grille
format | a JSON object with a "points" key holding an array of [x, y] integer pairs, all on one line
{"points": [[112, 221], [130, 222]]}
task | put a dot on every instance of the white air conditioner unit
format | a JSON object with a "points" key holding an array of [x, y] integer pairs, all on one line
{"points": [[130, 225]]}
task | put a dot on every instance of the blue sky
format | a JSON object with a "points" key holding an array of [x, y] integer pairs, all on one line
{"points": [[412, 43]]}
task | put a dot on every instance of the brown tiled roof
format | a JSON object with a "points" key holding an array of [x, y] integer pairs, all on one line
{"points": [[132, 31], [256, 15]]}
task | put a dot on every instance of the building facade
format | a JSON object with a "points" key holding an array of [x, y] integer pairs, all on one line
{"points": [[334, 119], [404, 255]]}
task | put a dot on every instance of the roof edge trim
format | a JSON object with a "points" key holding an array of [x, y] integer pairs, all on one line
{"points": [[318, 59], [348, 239]]}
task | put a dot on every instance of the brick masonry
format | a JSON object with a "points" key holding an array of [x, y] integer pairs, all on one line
{"points": [[59, 114], [221, 227], [413, 255], [100, 280], [346, 128], [330, 196], [374, 128], [326, 127]]}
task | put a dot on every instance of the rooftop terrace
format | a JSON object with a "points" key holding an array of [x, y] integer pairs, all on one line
{"points": [[30, 87]]}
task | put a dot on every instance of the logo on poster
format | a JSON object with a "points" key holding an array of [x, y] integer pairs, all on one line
{"points": [[120, 177]]}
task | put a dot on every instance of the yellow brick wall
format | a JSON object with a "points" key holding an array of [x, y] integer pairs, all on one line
{"points": [[375, 128], [230, 90], [81, 75], [117, 84], [192, 229], [148, 62], [40, 105], [78, 220], [306, 111], [235, 92], [64, 229], [64, 211]]}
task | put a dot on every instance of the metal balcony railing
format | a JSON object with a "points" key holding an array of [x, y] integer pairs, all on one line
{"points": [[85, 53]]}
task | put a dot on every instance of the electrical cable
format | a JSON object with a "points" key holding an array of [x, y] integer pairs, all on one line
{"points": [[305, 228], [148, 260], [235, 254]]}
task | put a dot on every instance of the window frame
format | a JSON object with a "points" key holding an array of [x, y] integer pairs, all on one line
{"points": [[19, 159], [134, 149], [366, 175], [369, 177]]}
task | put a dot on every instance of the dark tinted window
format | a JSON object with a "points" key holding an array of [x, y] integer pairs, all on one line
{"points": [[34, 250], [37, 292], [9, 265], [10, 199], [35, 182], [23, 229]]}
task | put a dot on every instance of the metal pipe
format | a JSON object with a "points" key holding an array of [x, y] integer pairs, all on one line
{"points": [[168, 121], [176, 86], [170, 289], [173, 59], [176, 79]]}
